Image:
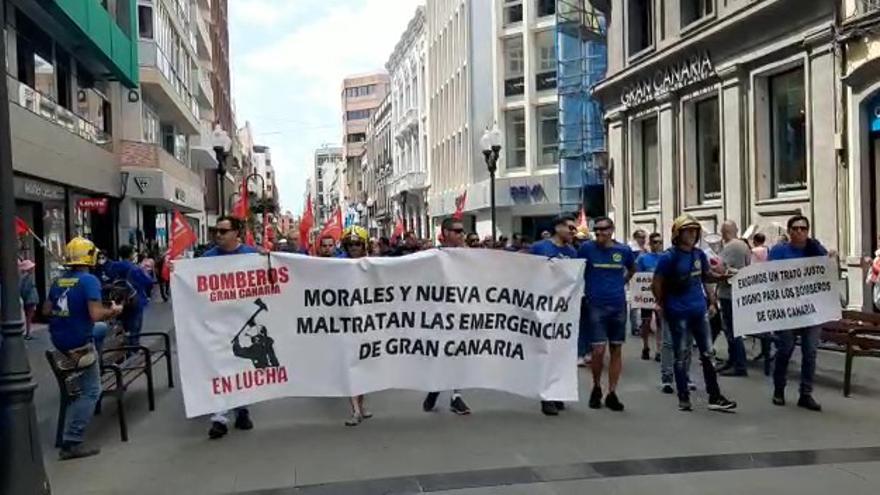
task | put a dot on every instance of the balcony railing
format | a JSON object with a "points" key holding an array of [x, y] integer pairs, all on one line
{"points": [[152, 55], [861, 8], [90, 108]]}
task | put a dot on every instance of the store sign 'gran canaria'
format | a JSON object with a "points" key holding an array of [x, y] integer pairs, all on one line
{"points": [[695, 69]]}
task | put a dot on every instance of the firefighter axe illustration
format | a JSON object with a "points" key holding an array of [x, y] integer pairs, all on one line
{"points": [[261, 306]]}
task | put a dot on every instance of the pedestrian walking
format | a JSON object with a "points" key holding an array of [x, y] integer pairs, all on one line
{"points": [[650, 322], [609, 266], [735, 255], [27, 289], [639, 245]]}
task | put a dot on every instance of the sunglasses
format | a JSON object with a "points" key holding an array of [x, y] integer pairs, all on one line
{"points": [[656, 242], [602, 229], [800, 228], [223, 231]]}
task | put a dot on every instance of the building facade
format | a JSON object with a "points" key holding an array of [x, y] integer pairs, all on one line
{"points": [[328, 164], [408, 180], [361, 95], [65, 111], [378, 164]]}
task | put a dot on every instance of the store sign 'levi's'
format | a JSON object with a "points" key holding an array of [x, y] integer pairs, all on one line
{"points": [[98, 205], [668, 79], [252, 328]]}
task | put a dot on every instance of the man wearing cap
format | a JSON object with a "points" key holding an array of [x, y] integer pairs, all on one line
{"points": [[680, 291]]}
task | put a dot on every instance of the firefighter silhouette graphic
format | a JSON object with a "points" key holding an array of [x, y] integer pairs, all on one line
{"points": [[261, 351]]}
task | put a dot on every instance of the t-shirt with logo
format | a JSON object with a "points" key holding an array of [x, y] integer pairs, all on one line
{"points": [[70, 324], [683, 273], [647, 261], [785, 251], [549, 249], [241, 249], [605, 274]]}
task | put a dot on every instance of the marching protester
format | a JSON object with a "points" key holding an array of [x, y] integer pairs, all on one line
{"points": [[326, 245], [647, 262], [27, 289], [101, 267], [452, 235], [638, 245], [609, 266], [227, 237], [473, 240], [735, 255], [799, 245], [125, 270], [681, 295], [759, 250], [559, 246], [162, 276], [74, 307]]}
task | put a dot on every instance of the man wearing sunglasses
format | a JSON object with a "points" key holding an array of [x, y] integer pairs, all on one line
{"points": [[227, 242], [799, 245], [452, 232], [559, 246], [610, 265]]}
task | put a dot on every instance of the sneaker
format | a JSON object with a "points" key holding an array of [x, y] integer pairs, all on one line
{"points": [[243, 420], [685, 405], [667, 389], [218, 430], [613, 403], [430, 401], [809, 403], [76, 451], [588, 359], [458, 406], [721, 403], [549, 408], [657, 357], [778, 397], [354, 420], [646, 354], [596, 398], [559, 405], [366, 414], [730, 372]]}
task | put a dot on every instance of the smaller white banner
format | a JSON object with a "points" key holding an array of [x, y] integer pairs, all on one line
{"points": [[783, 295], [641, 294]]}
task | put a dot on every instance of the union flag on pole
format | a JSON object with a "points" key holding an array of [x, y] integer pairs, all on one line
{"points": [[398, 229], [241, 209], [333, 227], [306, 224], [182, 237], [459, 206], [21, 227]]}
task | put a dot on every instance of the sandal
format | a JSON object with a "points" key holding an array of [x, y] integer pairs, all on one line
{"points": [[354, 420]]}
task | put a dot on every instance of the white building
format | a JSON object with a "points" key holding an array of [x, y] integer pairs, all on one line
{"points": [[408, 183], [328, 185]]}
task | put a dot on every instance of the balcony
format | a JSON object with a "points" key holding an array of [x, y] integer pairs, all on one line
{"points": [[206, 91], [203, 36], [158, 178], [161, 82], [408, 181], [859, 9], [514, 86], [408, 125]]}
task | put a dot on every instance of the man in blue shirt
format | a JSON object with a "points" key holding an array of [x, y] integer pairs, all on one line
{"points": [[647, 262], [126, 270], [610, 265], [800, 245], [227, 234], [559, 246], [73, 306], [680, 292]]}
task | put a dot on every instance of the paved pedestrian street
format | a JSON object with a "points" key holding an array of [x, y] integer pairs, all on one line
{"points": [[300, 446]]}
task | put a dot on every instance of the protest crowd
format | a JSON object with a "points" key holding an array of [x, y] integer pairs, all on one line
{"points": [[688, 276]]}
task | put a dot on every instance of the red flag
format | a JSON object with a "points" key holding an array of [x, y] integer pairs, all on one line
{"points": [[306, 224], [268, 233], [333, 227], [241, 209], [398, 229], [582, 219], [249, 238], [459, 206], [21, 227], [182, 236]]}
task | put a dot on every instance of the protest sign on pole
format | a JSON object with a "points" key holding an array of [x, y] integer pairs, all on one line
{"points": [[641, 295], [786, 294], [257, 327]]}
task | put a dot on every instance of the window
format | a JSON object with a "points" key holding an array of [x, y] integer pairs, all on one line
{"points": [[788, 130], [708, 164], [145, 22], [358, 91], [513, 66], [646, 172], [513, 11], [641, 25], [356, 137], [62, 66], [516, 137], [694, 10], [545, 48], [357, 114], [150, 124], [548, 130], [546, 7]]}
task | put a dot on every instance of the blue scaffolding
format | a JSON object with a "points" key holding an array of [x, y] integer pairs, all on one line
{"points": [[582, 59]]}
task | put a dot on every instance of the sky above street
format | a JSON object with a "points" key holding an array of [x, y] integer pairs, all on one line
{"points": [[288, 59]]}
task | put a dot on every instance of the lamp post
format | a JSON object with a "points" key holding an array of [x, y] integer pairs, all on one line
{"points": [[21, 461], [222, 144], [491, 144], [247, 180]]}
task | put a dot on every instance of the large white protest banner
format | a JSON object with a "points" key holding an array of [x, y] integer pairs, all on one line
{"points": [[641, 295], [786, 294], [257, 327]]}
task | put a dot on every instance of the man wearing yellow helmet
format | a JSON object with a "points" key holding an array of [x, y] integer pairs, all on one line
{"points": [[74, 307], [680, 291]]}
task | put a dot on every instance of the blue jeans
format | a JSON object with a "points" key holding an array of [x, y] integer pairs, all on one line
{"points": [[584, 329], [133, 322], [681, 328], [607, 325], [736, 350], [785, 348], [99, 333], [667, 356], [80, 411]]}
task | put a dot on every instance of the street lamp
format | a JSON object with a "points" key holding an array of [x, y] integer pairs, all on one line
{"points": [[222, 144], [262, 193], [21, 461], [491, 144]]}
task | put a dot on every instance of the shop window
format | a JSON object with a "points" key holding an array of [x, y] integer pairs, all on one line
{"points": [[513, 11], [695, 10], [514, 67], [640, 25], [646, 163], [516, 139], [548, 133], [788, 131]]}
